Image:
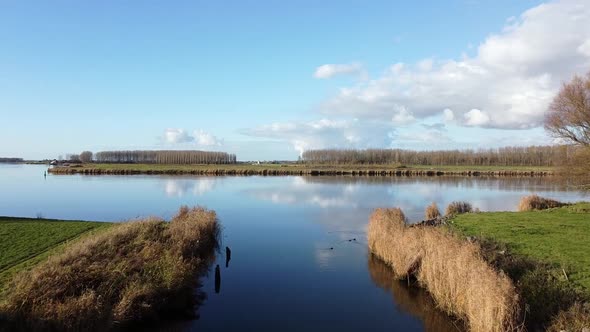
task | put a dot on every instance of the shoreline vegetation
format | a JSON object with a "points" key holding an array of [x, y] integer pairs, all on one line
{"points": [[299, 169], [125, 274], [495, 271]]}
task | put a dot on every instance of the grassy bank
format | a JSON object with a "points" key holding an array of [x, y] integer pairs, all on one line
{"points": [[557, 236], [545, 254], [24, 242], [302, 169], [127, 273], [496, 270]]}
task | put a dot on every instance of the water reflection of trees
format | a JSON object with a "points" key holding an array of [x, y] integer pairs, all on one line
{"points": [[547, 183], [413, 300]]}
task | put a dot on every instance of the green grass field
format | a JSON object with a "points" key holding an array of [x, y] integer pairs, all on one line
{"points": [[558, 236], [24, 242]]}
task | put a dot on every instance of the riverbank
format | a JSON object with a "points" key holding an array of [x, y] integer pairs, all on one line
{"points": [[24, 242], [302, 169], [496, 271], [545, 253], [126, 273]]}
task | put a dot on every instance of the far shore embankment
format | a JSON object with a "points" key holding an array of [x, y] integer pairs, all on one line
{"points": [[299, 170]]}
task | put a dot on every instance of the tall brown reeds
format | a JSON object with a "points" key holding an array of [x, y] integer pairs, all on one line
{"points": [[457, 208], [534, 202], [452, 270], [432, 212], [576, 318], [415, 301], [133, 272]]}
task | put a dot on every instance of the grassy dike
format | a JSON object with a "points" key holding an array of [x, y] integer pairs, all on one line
{"points": [[302, 169], [497, 271], [117, 275], [545, 253], [24, 242]]}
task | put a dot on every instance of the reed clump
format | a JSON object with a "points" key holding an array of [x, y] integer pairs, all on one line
{"points": [[535, 202], [452, 269], [432, 212], [133, 272], [576, 318], [458, 208]]}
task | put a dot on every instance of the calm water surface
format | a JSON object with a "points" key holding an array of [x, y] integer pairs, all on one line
{"points": [[282, 275]]}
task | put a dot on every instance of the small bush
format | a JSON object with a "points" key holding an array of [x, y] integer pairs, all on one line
{"points": [[432, 211], [534, 202], [457, 208]]}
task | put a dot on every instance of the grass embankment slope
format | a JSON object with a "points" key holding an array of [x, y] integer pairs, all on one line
{"points": [[496, 271], [558, 236], [300, 169], [25, 242], [131, 272]]}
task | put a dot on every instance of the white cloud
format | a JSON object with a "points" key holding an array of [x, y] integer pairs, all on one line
{"points": [[199, 137], [402, 116], [509, 82], [331, 70], [205, 139], [476, 117], [174, 136], [327, 133], [448, 115]]}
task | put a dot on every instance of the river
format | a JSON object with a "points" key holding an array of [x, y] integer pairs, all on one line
{"points": [[283, 274]]}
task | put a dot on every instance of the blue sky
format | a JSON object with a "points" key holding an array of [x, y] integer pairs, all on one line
{"points": [[267, 79]]}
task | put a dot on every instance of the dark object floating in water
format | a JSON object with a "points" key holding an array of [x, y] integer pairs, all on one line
{"points": [[227, 256]]}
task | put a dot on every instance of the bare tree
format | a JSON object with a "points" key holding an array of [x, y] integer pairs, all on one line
{"points": [[568, 116], [86, 157]]}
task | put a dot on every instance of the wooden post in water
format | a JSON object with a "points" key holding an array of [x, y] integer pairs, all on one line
{"points": [[217, 279]]}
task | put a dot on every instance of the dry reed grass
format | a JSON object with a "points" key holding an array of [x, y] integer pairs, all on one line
{"points": [[457, 208], [534, 202], [432, 212], [452, 270], [133, 272], [577, 318]]}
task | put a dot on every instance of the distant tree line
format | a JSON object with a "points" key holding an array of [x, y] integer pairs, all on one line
{"points": [[11, 160], [506, 156], [165, 157]]}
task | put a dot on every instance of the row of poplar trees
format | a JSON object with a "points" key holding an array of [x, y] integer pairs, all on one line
{"points": [[507, 156], [165, 157]]}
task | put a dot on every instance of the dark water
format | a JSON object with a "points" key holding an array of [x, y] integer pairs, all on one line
{"points": [[282, 275]]}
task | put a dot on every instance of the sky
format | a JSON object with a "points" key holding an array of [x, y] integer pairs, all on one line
{"points": [[269, 79]]}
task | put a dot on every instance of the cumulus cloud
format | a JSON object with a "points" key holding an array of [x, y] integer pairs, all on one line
{"points": [[325, 133], [448, 115], [174, 136], [205, 139], [331, 70], [402, 116], [476, 117], [508, 83], [198, 137]]}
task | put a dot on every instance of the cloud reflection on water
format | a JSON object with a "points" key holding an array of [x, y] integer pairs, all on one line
{"points": [[181, 187]]}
